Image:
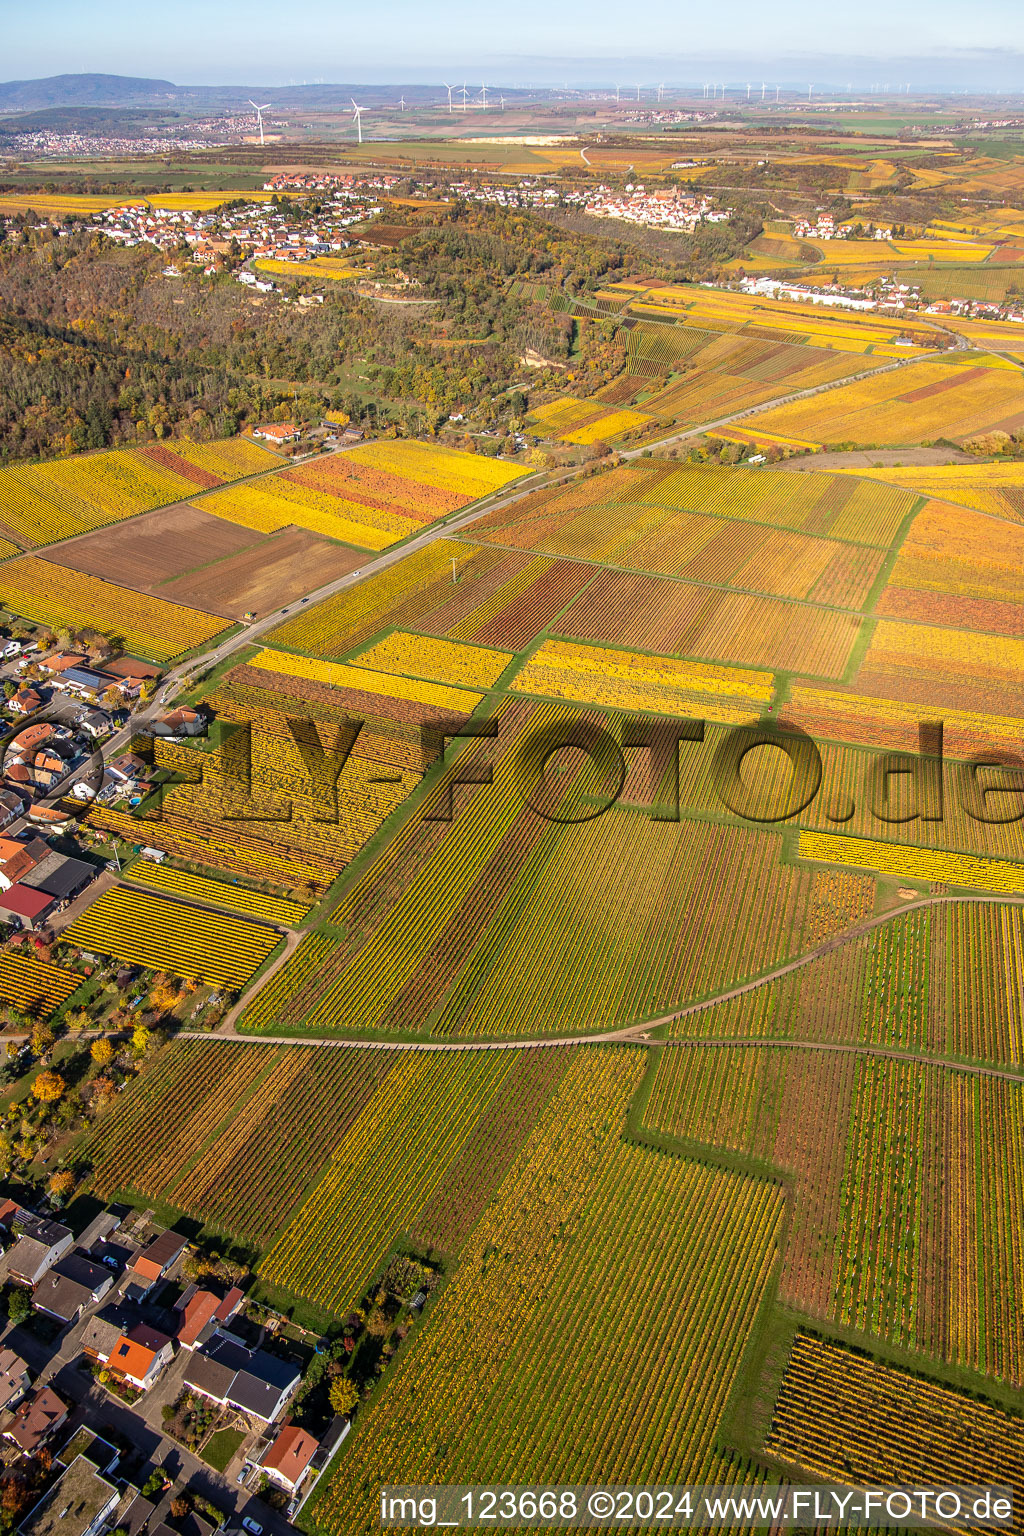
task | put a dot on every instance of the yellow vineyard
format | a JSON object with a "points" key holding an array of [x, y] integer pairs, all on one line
{"points": [[627, 680], [56, 595], [920, 864]]}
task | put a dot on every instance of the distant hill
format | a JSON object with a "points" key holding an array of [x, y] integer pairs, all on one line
{"points": [[105, 122], [81, 91], [113, 91]]}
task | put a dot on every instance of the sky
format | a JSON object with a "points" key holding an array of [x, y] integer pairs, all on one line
{"points": [[976, 45]]}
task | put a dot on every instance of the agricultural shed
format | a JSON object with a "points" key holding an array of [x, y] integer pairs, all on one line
{"points": [[32, 907], [61, 878]]}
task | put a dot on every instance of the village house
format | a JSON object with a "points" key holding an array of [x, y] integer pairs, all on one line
{"points": [[278, 432], [200, 1312], [156, 1261], [95, 723], [39, 1244], [39, 1417], [128, 768], [140, 1355], [39, 758], [286, 1460], [85, 682], [179, 722], [70, 1286], [251, 1380], [103, 1330], [11, 807], [61, 661], [14, 1379], [25, 702]]}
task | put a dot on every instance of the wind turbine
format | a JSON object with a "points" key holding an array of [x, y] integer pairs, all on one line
{"points": [[357, 114], [661, 93], [638, 93], [748, 90], [401, 103], [259, 117], [448, 88], [464, 93], [502, 100], [763, 89], [483, 96], [616, 93]]}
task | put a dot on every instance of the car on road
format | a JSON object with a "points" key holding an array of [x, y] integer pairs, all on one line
{"points": [[252, 1526]]}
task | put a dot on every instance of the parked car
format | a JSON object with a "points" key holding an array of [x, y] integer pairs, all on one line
{"points": [[252, 1526]]}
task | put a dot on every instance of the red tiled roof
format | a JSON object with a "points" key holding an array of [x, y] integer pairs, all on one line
{"points": [[31, 736], [291, 1453], [62, 661], [200, 1309], [146, 1268], [18, 864], [229, 1306]]}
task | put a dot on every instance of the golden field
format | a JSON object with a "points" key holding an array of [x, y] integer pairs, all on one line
{"points": [[913, 405]]}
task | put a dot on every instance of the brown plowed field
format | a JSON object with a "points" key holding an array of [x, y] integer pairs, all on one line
{"points": [[275, 571], [147, 550], [187, 556]]}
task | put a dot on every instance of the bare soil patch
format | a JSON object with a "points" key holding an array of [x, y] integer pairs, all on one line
{"points": [[150, 549], [187, 556], [278, 569], [879, 458]]}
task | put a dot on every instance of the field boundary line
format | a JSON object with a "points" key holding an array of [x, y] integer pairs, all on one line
{"points": [[638, 1034]]}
